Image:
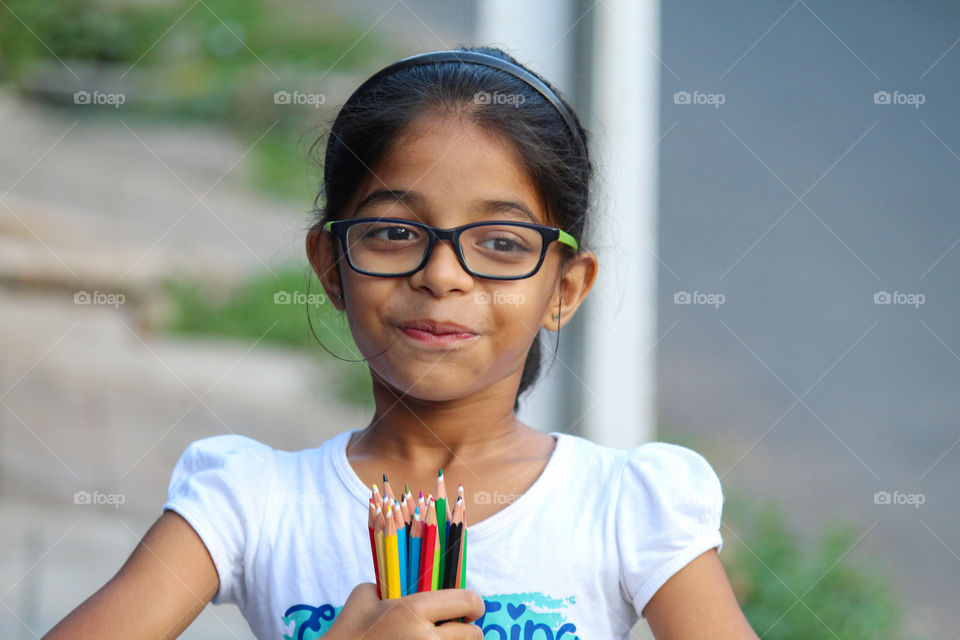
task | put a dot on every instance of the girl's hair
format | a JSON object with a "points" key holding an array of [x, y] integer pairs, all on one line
{"points": [[556, 162]]}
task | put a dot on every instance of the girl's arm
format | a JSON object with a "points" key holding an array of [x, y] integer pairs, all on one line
{"points": [[165, 584], [697, 602]]}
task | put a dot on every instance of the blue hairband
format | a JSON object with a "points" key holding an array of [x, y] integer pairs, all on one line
{"points": [[476, 57]]}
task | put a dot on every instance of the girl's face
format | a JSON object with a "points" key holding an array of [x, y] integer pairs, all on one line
{"points": [[453, 173]]}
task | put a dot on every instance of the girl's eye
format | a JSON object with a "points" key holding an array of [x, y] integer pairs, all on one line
{"points": [[504, 244], [391, 233]]}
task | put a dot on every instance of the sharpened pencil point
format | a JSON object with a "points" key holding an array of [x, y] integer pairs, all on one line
{"points": [[385, 481]]}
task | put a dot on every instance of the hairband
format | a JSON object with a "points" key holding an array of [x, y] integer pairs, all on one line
{"points": [[476, 57]]}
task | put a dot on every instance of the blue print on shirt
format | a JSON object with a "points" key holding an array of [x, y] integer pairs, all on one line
{"points": [[303, 622], [514, 616]]}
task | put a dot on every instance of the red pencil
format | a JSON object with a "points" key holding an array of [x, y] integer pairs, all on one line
{"points": [[371, 523], [427, 551]]}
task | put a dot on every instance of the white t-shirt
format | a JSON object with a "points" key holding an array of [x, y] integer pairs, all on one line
{"points": [[578, 555]]}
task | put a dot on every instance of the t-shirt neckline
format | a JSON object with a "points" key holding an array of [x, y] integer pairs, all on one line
{"points": [[479, 530]]}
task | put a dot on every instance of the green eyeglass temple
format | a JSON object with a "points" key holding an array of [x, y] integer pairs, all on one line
{"points": [[565, 238], [568, 240]]}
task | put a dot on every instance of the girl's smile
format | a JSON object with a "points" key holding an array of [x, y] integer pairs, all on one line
{"points": [[433, 333]]}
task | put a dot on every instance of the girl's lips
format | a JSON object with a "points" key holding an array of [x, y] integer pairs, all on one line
{"points": [[427, 331]]}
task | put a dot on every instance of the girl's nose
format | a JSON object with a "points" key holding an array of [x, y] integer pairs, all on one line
{"points": [[443, 271]]}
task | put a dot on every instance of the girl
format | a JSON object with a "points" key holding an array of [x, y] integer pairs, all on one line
{"points": [[456, 189]]}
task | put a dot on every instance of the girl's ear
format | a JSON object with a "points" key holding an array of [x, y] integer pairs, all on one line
{"points": [[322, 253], [579, 274]]}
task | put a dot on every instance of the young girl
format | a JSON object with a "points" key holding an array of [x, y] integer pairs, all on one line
{"points": [[455, 192]]}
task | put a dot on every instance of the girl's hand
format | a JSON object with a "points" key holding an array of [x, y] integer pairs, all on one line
{"points": [[411, 617]]}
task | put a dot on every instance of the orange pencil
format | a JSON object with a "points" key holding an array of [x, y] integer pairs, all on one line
{"points": [[379, 529]]}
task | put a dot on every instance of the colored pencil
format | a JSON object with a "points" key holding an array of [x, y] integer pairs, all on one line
{"points": [[371, 525], [462, 582], [427, 552], [379, 527], [401, 548], [413, 564], [392, 555], [416, 546], [387, 491], [435, 576], [453, 547], [442, 520]]}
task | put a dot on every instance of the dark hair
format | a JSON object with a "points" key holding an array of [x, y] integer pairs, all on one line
{"points": [[556, 161]]}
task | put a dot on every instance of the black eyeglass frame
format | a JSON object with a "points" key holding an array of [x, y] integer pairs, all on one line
{"points": [[339, 229]]}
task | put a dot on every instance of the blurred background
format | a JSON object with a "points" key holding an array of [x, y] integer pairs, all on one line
{"points": [[787, 257]]}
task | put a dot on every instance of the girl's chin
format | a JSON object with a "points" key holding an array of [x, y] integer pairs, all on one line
{"points": [[430, 386]]}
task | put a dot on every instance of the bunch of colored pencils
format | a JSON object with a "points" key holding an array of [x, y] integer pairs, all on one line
{"points": [[418, 546]]}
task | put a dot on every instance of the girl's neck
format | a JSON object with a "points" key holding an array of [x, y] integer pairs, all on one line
{"points": [[438, 433]]}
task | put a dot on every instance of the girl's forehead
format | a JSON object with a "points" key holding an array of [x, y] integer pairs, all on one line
{"points": [[448, 160]]}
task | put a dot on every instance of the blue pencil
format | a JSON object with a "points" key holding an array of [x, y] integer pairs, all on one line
{"points": [[402, 552], [413, 565]]}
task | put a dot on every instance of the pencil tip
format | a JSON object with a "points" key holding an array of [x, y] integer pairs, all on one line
{"points": [[440, 475], [385, 481]]}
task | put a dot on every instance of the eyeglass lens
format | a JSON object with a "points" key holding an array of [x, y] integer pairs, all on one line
{"points": [[387, 248]]}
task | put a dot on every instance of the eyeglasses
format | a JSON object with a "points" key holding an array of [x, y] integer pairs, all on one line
{"points": [[392, 247]]}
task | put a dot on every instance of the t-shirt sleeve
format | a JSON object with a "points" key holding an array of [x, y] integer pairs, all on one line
{"points": [[668, 513], [219, 486]]}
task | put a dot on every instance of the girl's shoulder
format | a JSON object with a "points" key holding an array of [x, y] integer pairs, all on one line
{"points": [[671, 479], [650, 460], [243, 460]]}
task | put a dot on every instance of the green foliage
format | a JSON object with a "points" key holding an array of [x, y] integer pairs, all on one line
{"points": [[274, 310], [281, 166], [78, 29], [227, 32], [790, 591]]}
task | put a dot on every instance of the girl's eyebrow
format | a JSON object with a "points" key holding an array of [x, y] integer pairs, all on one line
{"points": [[414, 199], [508, 207], [389, 196]]}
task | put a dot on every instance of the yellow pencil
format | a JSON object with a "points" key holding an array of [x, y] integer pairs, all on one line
{"points": [[391, 550]]}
